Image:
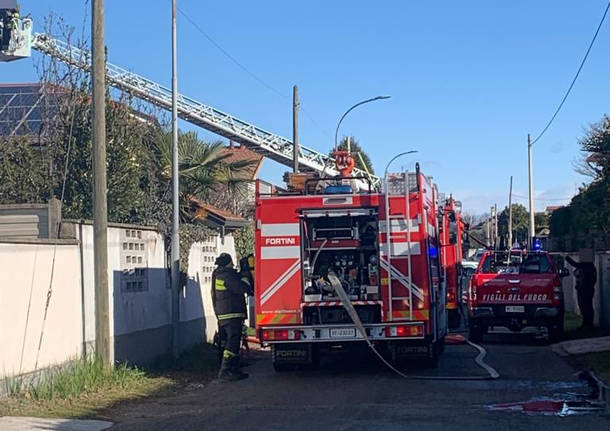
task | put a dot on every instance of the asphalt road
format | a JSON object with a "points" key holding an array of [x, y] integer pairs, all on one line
{"points": [[357, 393]]}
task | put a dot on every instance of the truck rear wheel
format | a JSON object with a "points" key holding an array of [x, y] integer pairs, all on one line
{"points": [[475, 332], [453, 318], [434, 354], [555, 334], [555, 330]]}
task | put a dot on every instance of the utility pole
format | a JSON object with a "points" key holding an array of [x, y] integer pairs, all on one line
{"points": [[492, 227], [531, 189], [295, 128], [510, 214], [175, 246], [100, 215], [496, 236], [489, 231]]}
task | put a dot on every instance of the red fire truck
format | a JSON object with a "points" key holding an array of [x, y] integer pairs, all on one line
{"points": [[452, 229], [382, 246]]}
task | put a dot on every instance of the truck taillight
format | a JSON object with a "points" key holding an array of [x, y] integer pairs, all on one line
{"points": [[404, 331], [281, 334]]}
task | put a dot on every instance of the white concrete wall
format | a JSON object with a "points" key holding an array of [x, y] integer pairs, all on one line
{"points": [[140, 318], [134, 310], [130, 311], [25, 277]]}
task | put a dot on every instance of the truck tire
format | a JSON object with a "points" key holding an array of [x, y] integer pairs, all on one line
{"points": [[475, 333], [555, 330], [434, 354], [555, 334], [453, 319]]}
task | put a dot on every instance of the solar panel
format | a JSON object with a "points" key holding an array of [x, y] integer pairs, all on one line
{"points": [[23, 109]]}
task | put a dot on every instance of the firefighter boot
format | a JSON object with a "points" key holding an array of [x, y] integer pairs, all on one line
{"points": [[236, 368], [229, 369]]}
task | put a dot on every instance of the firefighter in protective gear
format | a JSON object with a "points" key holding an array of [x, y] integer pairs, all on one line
{"points": [[228, 289], [586, 277], [246, 268]]}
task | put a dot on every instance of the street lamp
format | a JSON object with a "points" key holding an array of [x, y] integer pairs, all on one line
{"points": [[354, 106], [385, 172]]}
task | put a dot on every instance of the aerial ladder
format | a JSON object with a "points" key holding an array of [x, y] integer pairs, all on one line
{"points": [[17, 40]]}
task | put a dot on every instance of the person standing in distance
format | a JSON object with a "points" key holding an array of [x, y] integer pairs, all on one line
{"points": [[228, 289], [586, 277]]}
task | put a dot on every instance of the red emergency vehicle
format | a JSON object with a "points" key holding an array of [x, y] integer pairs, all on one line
{"points": [[382, 246], [452, 228], [516, 289]]}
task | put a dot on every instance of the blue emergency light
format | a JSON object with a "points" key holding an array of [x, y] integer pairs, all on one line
{"points": [[536, 244]]}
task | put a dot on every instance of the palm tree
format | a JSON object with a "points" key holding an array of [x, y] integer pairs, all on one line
{"points": [[203, 168]]}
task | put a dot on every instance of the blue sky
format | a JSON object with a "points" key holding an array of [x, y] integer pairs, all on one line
{"points": [[468, 79]]}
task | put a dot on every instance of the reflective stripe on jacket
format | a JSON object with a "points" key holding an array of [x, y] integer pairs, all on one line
{"points": [[228, 290]]}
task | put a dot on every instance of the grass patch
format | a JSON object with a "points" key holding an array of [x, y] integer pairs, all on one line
{"points": [[572, 322], [573, 331], [82, 389], [599, 362], [87, 389]]}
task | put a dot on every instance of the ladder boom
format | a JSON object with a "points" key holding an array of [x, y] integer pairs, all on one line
{"points": [[259, 140]]}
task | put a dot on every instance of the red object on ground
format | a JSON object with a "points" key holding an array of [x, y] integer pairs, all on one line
{"points": [[532, 406], [455, 339], [549, 406]]}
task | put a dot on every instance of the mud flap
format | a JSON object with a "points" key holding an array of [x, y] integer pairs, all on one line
{"points": [[402, 351], [292, 354]]}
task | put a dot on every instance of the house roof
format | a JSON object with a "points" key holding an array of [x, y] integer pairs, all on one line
{"points": [[551, 208], [215, 218], [238, 153]]}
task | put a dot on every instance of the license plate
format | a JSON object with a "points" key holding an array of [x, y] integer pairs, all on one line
{"points": [[343, 333], [515, 308]]}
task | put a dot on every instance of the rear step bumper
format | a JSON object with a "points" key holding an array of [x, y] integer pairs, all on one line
{"points": [[532, 316], [529, 312], [342, 333]]}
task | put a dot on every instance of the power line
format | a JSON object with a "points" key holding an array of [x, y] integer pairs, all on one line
{"points": [[314, 122], [56, 234], [543, 199], [229, 56], [582, 63], [245, 69]]}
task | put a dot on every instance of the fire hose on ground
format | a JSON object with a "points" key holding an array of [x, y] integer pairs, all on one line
{"points": [[351, 311]]}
